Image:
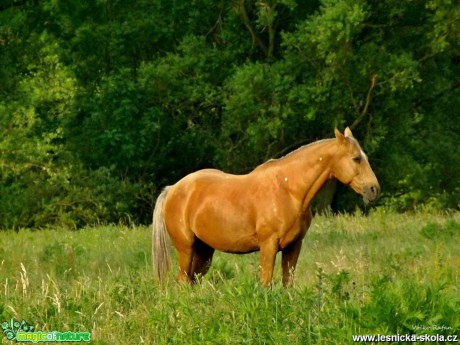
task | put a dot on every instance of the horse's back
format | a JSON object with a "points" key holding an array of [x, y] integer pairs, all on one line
{"points": [[195, 184]]}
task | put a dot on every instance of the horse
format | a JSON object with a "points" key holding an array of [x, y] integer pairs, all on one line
{"points": [[266, 210]]}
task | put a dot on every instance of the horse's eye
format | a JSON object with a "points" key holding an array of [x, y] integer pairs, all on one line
{"points": [[357, 159]]}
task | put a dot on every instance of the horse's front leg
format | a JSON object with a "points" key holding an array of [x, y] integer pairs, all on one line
{"points": [[292, 251], [289, 261], [268, 250]]}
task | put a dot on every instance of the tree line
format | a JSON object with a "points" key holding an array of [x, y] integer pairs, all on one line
{"points": [[104, 102]]}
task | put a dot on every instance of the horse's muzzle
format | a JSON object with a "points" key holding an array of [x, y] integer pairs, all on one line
{"points": [[371, 193]]}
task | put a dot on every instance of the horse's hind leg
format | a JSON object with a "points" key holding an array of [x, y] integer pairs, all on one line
{"points": [[185, 264], [202, 259], [194, 260]]}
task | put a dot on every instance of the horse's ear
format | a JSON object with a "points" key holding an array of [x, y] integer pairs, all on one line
{"points": [[348, 133], [338, 135]]}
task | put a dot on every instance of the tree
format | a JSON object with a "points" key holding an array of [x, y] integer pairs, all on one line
{"points": [[104, 102]]}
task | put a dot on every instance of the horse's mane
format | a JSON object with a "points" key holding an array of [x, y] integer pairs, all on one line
{"points": [[301, 148]]}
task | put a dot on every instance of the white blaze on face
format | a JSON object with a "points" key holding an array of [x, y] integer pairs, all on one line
{"points": [[361, 152]]}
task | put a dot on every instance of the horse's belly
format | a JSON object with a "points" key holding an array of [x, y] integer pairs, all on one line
{"points": [[227, 228], [242, 245]]}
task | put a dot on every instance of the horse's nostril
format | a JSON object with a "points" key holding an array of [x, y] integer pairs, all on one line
{"points": [[375, 190]]}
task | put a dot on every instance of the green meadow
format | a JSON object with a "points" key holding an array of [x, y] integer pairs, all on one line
{"points": [[384, 273]]}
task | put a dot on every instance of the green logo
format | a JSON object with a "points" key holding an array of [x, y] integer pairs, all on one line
{"points": [[23, 332]]}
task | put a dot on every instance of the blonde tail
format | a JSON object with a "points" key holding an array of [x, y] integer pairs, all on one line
{"points": [[161, 257]]}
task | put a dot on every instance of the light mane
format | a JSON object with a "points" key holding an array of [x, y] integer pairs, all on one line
{"points": [[301, 148], [273, 160]]}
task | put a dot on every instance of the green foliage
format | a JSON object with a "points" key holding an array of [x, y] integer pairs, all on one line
{"points": [[105, 102], [436, 231], [42, 183]]}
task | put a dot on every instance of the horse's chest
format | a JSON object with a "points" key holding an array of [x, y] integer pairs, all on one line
{"points": [[290, 226], [292, 233], [281, 218]]}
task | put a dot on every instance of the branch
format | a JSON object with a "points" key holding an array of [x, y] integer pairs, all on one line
{"points": [[247, 22], [363, 113], [271, 37], [269, 12], [218, 25]]}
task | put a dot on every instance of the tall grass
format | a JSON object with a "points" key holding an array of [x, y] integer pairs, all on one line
{"points": [[385, 273]]}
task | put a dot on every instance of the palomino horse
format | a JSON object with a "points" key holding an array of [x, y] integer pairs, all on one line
{"points": [[267, 210]]}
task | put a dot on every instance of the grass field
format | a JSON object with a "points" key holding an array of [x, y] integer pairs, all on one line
{"points": [[381, 274]]}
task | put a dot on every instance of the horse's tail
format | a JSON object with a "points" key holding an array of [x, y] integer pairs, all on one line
{"points": [[161, 256]]}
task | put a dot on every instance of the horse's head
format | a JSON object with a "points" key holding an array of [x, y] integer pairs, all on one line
{"points": [[352, 168]]}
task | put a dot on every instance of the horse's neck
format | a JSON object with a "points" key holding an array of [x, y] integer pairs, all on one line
{"points": [[306, 170]]}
